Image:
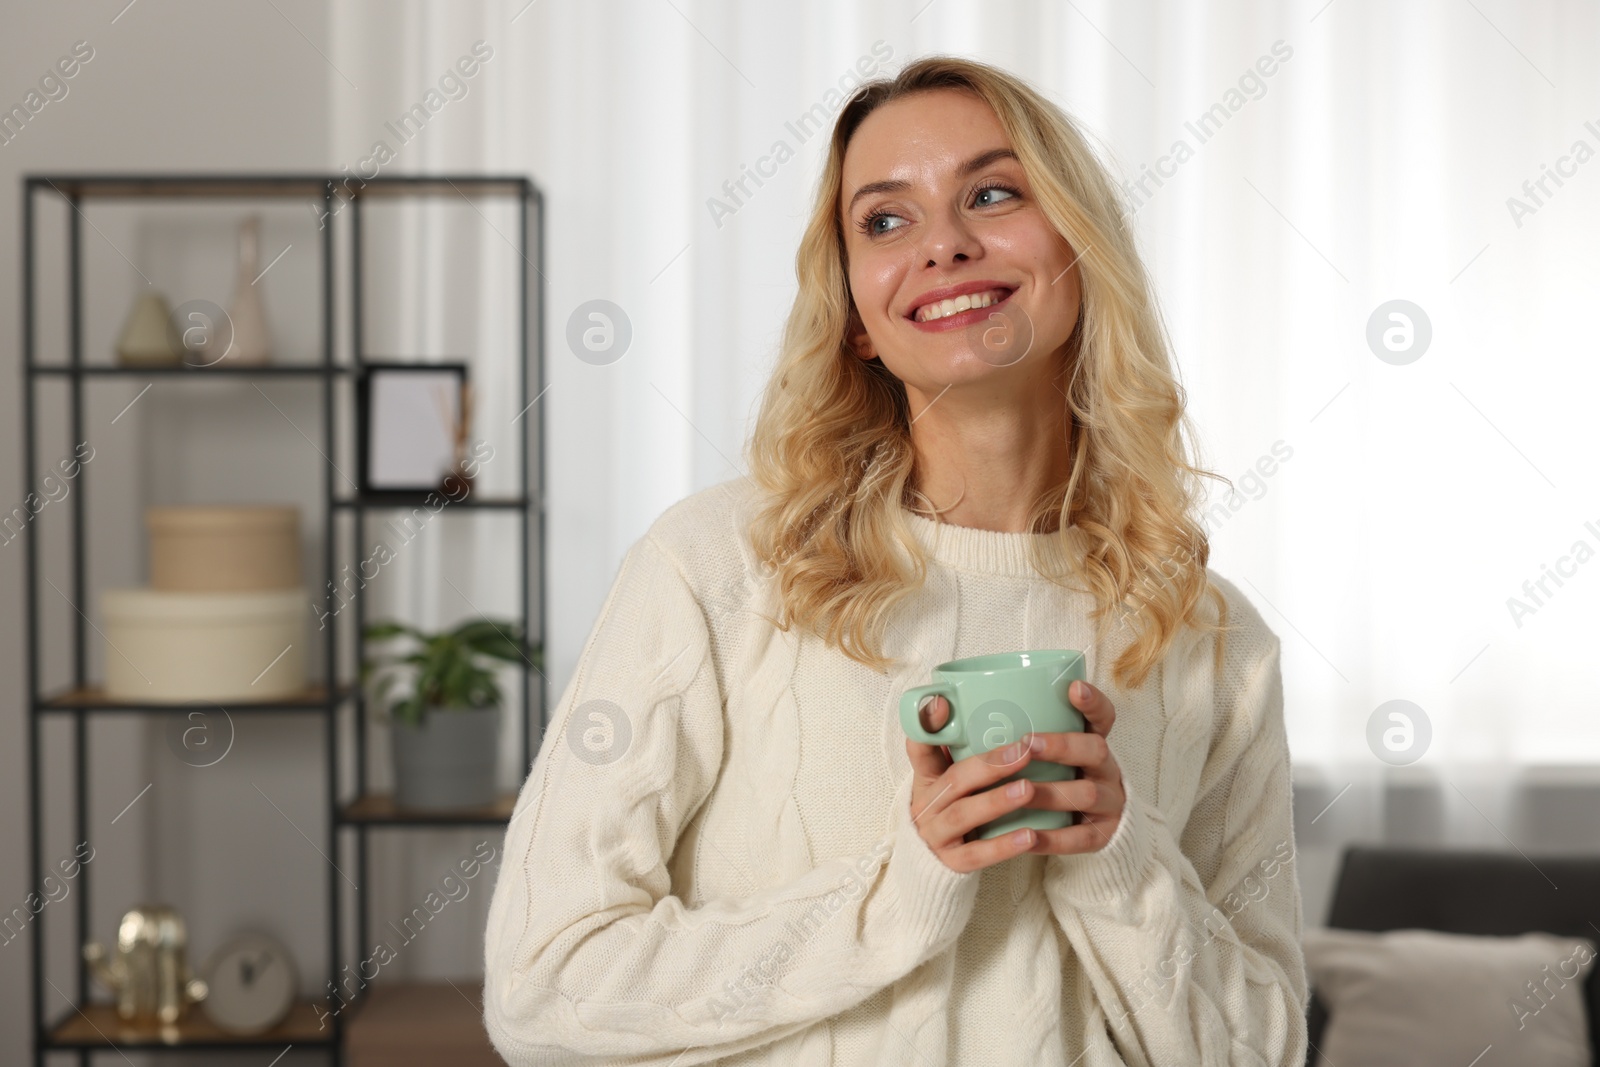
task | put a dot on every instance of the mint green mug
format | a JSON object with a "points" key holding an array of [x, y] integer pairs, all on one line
{"points": [[996, 700]]}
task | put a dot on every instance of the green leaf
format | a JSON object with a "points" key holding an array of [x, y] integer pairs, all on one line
{"points": [[455, 682], [409, 710], [503, 649], [452, 669], [490, 694], [383, 631], [474, 630]]}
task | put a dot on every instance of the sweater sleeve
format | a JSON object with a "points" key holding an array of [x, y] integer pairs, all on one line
{"points": [[1193, 950], [591, 957]]}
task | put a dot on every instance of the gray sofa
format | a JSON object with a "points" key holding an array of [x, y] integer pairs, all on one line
{"points": [[1464, 892]]}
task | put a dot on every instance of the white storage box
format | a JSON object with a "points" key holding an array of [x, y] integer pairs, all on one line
{"points": [[167, 646], [216, 548]]}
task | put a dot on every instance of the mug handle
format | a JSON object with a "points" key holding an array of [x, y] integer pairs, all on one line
{"points": [[948, 734]]}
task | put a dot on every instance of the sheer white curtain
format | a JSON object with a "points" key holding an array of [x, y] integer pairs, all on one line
{"points": [[1296, 168]]}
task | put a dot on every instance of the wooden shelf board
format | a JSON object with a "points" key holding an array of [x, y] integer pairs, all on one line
{"points": [[296, 186], [97, 1026], [380, 808], [138, 186], [423, 1024], [296, 368], [417, 500], [94, 698]]}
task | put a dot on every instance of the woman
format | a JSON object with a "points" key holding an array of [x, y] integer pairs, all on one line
{"points": [[728, 852]]}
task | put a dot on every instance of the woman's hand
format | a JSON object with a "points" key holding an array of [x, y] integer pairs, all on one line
{"points": [[949, 800], [1096, 792]]}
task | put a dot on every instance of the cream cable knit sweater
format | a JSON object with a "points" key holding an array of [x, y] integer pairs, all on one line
{"points": [[713, 860]]}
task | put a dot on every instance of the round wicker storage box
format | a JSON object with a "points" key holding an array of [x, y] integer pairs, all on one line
{"points": [[223, 548], [167, 646]]}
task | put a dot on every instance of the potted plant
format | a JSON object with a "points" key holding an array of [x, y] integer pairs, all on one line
{"points": [[445, 726]]}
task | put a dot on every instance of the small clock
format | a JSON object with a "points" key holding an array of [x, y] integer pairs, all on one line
{"points": [[252, 985]]}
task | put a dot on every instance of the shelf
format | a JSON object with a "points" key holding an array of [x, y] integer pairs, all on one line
{"points": [[93, 698], [420, 1025], [180, 370], [98, 1026], [419, 500], [274, 187], [378, 809], [393, 1023]]}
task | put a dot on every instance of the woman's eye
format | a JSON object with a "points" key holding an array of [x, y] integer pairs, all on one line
{"points": [[870, 225], [879, 223], [993, 199]]}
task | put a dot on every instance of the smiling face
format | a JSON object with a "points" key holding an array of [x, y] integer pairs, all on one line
{"points": [[956, 274]]}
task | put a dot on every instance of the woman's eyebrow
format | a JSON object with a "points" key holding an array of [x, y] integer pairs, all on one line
{"points": [[895, 185]]}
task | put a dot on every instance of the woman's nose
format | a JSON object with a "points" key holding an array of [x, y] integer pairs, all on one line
{"points": [[948, 239]]}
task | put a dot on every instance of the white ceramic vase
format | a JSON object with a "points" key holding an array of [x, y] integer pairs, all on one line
{"points": [[146, 339], [247, 315]]}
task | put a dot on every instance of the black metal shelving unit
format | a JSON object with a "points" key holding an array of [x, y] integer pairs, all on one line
{"points": [[354, 812]]}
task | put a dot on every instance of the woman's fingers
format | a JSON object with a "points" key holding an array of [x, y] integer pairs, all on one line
{"points": [[1096, 794], [964, 797], [966, 813], [1074, 748], [1078, 794], [976, 855], [930, 761], [1098, 712]]}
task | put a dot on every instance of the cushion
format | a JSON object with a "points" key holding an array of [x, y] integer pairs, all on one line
{"points": [[1420, 998]]}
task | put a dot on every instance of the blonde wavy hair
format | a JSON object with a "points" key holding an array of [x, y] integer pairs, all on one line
{"points": [[832, 449]]}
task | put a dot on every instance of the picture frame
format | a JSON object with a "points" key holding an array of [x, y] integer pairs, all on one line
{"points": [[406, 427]]}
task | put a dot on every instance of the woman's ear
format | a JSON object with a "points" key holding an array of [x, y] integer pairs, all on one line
{"points": [[855, 335]]}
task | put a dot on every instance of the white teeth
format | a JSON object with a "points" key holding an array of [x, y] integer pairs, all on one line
{"points": [[945, 308]]}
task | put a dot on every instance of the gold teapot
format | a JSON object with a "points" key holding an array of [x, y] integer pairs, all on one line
{"points": [[150, 973]]}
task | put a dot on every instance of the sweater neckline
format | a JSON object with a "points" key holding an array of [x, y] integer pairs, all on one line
{"points": [[996, 552]]}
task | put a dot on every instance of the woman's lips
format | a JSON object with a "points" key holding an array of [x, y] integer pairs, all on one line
{"points": [[961, 319]]}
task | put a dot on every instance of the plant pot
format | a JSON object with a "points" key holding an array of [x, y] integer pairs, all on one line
{"points": [[448, 760]]}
